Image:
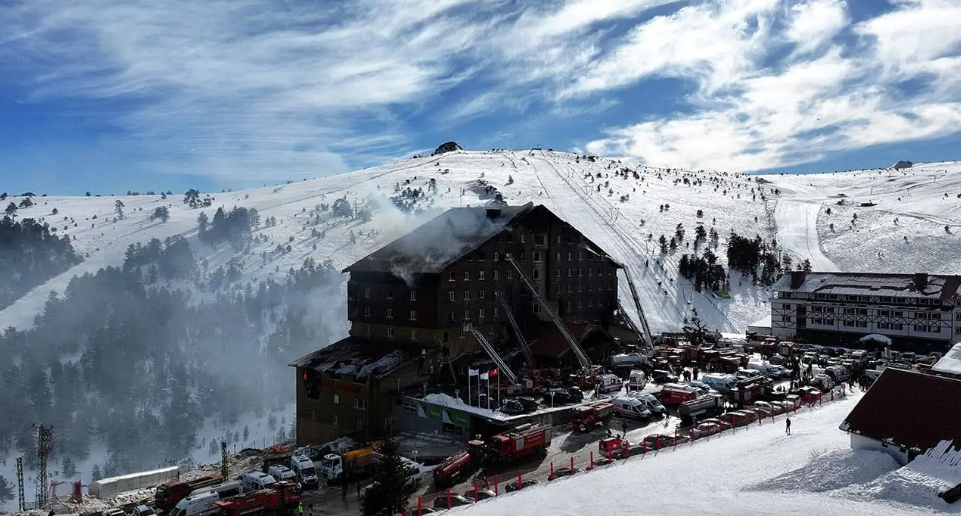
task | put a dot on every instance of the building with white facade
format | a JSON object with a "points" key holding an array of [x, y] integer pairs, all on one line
{"points": [[914, 310]]}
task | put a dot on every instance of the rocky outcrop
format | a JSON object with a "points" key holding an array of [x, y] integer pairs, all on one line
{"points": [[447, 147]]}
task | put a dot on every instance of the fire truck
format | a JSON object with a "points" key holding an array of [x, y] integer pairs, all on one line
{"points": [[588, 416], [524, 441], [169, 493], [280, 499]]}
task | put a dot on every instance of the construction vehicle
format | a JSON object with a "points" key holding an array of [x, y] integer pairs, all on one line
{"points": [[350, 465], [281, 498], [169, 493], [592, 415], [524, 441]]}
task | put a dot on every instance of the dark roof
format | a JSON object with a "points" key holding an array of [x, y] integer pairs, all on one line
{"points": [[908, 409], [362, 358], [441, 241]]}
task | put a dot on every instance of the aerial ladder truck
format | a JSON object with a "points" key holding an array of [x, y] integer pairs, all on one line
{"points": [[582, 358], [525, 347]]}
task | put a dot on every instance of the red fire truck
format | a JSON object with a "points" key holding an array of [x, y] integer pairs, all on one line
{"points": [[523, 441], [280, 499], [594, 414], [169, 493]]}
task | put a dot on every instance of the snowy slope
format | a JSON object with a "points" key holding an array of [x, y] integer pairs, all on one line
{"points": [[624, 217], [757, 472]]}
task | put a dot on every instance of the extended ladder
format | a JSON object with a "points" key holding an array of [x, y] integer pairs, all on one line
{"points": [[517, 330], [578, 352], [502, 366]]}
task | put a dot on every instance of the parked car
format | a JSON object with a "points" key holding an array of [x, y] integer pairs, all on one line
{"points": [[763, 406], [706, 429], [482, 494], [702, 388], [142, 510], [456, 500], [513, 486], [530, 404], [563, 396], [747, 374], [662, 376], [741, 417]]}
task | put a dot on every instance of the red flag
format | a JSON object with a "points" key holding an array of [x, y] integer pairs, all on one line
{"points": [[493, 372]]}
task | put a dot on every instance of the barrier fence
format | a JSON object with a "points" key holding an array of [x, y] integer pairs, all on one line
{"points": [[481, 490]]}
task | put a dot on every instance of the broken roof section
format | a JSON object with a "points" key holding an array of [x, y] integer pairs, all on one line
{"points": [[950, 363], [362, 358], [441, 241]]}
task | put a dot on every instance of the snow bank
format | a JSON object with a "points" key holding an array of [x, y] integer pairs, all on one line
{"points": [[919, 482], [832, 470]]}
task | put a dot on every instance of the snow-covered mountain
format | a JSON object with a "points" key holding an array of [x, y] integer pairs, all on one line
{"points": [[906, 220]]}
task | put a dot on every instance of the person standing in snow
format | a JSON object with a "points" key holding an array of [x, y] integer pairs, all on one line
{"points": [[787, 426], [624, 429]]}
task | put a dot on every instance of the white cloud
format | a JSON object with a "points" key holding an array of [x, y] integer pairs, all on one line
{"points": [[814, 23], [243, 89]]}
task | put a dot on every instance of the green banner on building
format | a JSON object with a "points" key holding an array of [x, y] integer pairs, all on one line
{"points": [[459, 418], [433, 411]]}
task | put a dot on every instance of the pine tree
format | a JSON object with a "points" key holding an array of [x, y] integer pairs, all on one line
{"points": [[96, 475], [6, 490], [389, 494], [246, 433]]}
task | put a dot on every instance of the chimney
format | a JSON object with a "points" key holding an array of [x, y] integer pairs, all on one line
{"points": [[797, 278], [493, 213], [920, 280]]}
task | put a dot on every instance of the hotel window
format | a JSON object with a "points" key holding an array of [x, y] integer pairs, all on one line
{"points": [[335, 421], [413, 334], [537, 274], [497, 275], [390, 331], [466, 316], [390, 313], [451, 316], [496, 257], [450, 295], [570, 272], [537, 256], [413, 315], [497, 314], [367, 330], [336, 399], [450, 276], [480, 275], [570, 289], [510, 275], [523, 238], [558, 241], [366, 311], [480, 294], [558, 256], [313, 415], [409, 407], [413, 295], [466, 275], [480, 314], [558, 273], [366, 293], [536, 308], [467, 295], [360, 404], [390, 294]]}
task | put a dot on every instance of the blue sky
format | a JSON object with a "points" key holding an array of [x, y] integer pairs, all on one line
{"points": [[117, 95]]}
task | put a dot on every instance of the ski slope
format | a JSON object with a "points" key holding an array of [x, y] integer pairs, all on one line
{"points": [[625, 214], [759, 471]]}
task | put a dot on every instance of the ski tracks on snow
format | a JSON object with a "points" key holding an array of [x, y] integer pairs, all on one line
{"points": [[796, 226]]}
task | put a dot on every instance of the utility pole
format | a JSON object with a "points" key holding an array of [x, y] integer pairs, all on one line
{"points": [[21, 500], [223, 461], [44, 438]]}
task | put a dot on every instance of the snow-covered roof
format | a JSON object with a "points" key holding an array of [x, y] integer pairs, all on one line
{"points": [[950, 363], [869, 284], [365, 359]]}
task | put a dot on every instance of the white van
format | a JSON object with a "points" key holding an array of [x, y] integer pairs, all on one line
{"points": [[720, 382], [303, 467], [197, 505], [626, 406], [650, 402], [281, 472], [768, 369], [256, 480]]}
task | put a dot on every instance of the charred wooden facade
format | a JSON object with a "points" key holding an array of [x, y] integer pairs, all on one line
{"points": [[424, 287]]}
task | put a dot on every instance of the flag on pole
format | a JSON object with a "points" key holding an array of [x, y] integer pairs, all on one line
{"points": [[472, 372], [493, 372], [483, 376]]}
